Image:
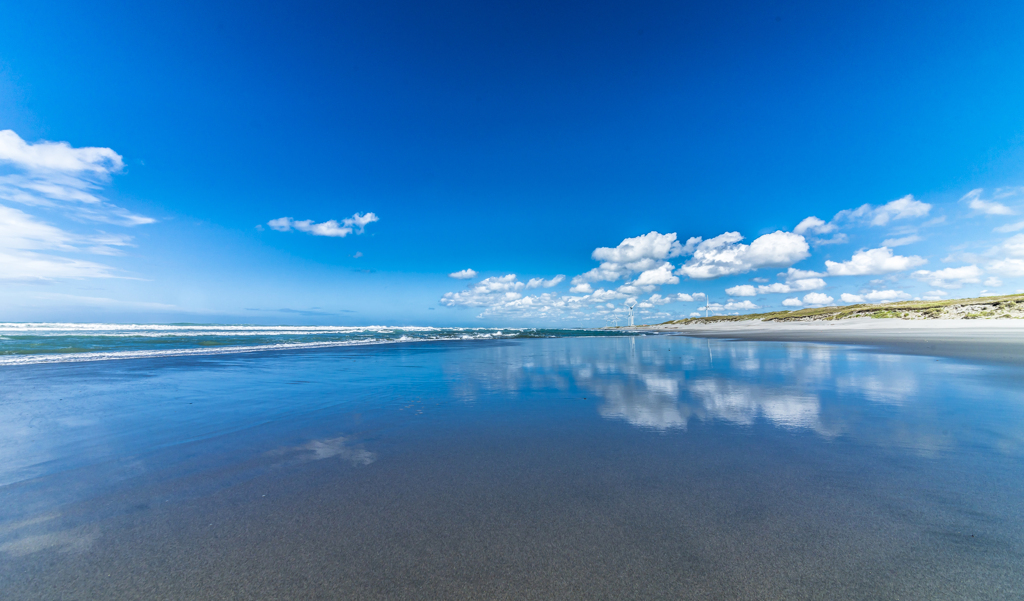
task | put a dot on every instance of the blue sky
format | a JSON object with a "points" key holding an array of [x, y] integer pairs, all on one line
{"points": [[152, 152]]}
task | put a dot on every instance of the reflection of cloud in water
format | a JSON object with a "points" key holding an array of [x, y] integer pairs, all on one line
{"points": [[647, 409], [896, 389], [872, 397], [742, 403], [315, 450]]}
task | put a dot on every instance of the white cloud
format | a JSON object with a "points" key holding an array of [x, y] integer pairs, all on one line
{"points": [[872, 262], [725, 255], [951, 277], [1010, 227], [22, 237], [791, 286], [851, 298], [632, 255], [814, 225], [657, 299], [601, 295], [886, 295], [988, 207], [817, 298], [658, 276], [742, 290], [1014, 246], [486, 293], [1008, 267], [740, 305], [993, 282], [905, 240], [792, 302], [56, 156], [1011, 261], [902, 208], [934, 295], [799, 274], [56, 175], [581, 288], [542, 283], [356, 223], [465, 274]]}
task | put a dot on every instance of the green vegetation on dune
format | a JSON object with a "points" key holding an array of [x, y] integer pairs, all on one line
{"points": [[986, 307]]}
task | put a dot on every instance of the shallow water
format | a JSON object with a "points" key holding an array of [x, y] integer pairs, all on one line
{"points": [[27, 343], [648, 467]]}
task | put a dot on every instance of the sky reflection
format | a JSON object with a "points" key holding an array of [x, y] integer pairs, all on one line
{"points": [[664, 383]]}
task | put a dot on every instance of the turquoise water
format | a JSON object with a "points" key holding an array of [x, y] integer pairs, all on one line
{"points": [[564, 467], [22, 343]]}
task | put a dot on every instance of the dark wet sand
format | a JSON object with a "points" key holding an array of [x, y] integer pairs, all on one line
{"points": [[516, 488]]}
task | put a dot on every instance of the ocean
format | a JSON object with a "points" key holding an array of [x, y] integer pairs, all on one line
{"points": [[419, 463]]}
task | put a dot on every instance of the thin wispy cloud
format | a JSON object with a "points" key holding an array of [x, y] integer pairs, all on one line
{"points": [[62, 181], [57, 175], [992, 206]]}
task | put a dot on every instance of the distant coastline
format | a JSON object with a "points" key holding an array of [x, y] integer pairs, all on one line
{"points": [[989, 329], [985, 307]]}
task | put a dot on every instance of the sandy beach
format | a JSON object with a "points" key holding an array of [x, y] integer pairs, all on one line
{"points": [[605, 467], [982, 340]]}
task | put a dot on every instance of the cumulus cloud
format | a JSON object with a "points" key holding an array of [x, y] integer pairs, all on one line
{"points": [[792, 302], [658, 276], [740, 305], [934, 295], [817, 298], [542, 283], [886, 295], [726, 255], [742, 290], [465, 274], [632, 255], [988, 207], [872, 262], [657, 299], [486, 293], [851, 298], [356, 223], [800, 285], [951, 277], [813, 225]]}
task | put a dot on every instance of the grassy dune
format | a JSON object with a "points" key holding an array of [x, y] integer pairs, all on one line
{"points": [[986, 307]]}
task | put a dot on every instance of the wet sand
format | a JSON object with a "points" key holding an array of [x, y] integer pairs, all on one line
{"points": [[606, 468], [999, 341]]}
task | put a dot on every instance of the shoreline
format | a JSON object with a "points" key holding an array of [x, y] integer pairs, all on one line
{"points": [[1000, 341]]}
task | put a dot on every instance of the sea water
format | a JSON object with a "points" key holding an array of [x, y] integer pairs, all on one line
{"points": [[548, 466]]}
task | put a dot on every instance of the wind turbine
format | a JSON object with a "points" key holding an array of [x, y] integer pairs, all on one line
{"points": [[706, 306], [630, 307]]}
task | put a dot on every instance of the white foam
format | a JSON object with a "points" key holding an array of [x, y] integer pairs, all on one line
{"points": [[224, 350]]}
